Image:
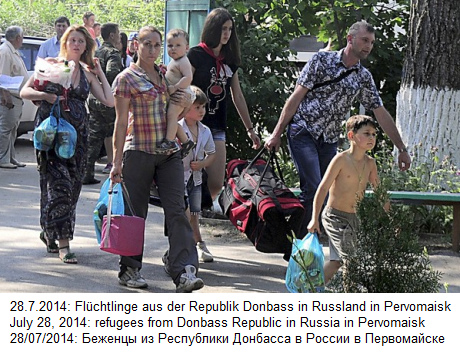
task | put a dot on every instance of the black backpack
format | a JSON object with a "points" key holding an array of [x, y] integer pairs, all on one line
{"points": [[260, 205]]}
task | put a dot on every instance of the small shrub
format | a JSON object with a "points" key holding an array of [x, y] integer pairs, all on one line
{"points": [[388, 257]]}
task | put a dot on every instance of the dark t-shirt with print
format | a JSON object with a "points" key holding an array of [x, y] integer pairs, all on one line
{"points": [[216, 88]]}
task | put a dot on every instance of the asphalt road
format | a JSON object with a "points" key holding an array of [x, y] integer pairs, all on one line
{"points": [[26, 267]]}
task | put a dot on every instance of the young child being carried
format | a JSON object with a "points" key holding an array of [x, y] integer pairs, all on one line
{"points": [[179, 76], [345, 180], [201, 157]]}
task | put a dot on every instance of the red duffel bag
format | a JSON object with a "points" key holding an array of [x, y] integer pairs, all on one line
{"points": [[260, 205]]}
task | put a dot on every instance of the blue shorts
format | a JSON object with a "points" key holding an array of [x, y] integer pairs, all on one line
{"points": [[218, 135], [194, 197]]}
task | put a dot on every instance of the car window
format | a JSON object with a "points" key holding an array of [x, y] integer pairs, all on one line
{"points": [[29, 55]]}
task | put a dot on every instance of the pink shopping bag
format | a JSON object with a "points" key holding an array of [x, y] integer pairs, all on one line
{"points": [[122, 234]]}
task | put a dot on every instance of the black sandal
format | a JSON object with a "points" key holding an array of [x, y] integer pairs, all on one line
{"points": [[51, 247], [69, 258]]}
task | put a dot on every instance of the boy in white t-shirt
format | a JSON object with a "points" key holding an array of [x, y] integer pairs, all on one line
{"points": [[201, 156]]}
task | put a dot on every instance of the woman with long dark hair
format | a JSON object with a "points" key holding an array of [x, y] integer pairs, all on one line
{"points": [[215, 63]]}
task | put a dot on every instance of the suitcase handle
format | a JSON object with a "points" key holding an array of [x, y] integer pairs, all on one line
{"points": [[272, 157], [270, 161]]}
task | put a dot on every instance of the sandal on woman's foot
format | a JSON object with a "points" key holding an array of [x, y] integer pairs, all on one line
{"points": [[51, 245], [69, 258]]}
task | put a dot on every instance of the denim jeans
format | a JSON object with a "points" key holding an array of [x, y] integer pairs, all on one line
{"points": [[194, 197], [311, 158]]}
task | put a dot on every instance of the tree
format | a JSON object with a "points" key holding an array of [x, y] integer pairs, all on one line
{"points": [[37, 17], [428, 102]]}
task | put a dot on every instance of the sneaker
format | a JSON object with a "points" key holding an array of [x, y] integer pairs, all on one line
{"points": [[188, 281], [203, 253], [167, 147], [107, 168], [186, 148], [165, 260], [132, 278]]}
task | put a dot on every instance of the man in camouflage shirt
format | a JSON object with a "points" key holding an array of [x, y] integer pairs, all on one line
{"points": [[102, 118]]}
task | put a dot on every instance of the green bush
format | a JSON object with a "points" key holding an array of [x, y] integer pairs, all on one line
{"points": [[388, 257], [432, 175]]}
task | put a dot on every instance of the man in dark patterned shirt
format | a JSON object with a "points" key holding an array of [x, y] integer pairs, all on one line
{"points": [[102, 118], [325, 91]]}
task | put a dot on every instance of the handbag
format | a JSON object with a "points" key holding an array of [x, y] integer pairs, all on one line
{"points": [[102, 205], [305, 271], [45, 133], [121, 234]]}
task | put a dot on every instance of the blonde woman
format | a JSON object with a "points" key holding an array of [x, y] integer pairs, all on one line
{"points": [[61, 179]]}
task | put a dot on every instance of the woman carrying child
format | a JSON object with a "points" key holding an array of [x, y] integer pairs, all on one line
{"points": [[140, 102]]}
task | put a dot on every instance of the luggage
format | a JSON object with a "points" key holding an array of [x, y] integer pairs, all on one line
{"points": [[259, 204]]}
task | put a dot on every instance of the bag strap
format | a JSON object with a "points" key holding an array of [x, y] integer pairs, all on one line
{"points": [[270, 193], [56, 107], [127, 198], [109, 213], [273, 160], [259, 154], [109, 204], [335, 80]]}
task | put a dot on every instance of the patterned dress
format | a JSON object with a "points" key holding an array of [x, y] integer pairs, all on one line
{"points": [[61, 179]]}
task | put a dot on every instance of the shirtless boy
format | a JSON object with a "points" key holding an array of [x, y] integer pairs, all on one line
{"points": [[345, 180], [179, 76]]}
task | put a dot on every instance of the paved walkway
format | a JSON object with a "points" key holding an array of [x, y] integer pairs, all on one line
{"points": [[26, 267]]}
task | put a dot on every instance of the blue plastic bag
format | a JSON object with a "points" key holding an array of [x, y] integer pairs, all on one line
{"points": [[305, 271], [66, 139], [45, 133], [102, 203]]}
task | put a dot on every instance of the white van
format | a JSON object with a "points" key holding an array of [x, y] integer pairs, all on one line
{"points": [[29, 51]]}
